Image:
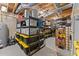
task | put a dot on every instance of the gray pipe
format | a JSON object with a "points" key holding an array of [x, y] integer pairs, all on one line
{"points": [[23, 6]]}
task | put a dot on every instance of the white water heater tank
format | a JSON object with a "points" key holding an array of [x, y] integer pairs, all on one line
{"points": [[4, 34]]}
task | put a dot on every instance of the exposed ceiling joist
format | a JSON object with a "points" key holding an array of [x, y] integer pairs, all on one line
{"points": [[58, 10], [15, 6], [66, 12], [11, 7]]}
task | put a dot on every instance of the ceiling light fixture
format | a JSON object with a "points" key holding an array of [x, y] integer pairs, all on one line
{"points": [[3, 9]]}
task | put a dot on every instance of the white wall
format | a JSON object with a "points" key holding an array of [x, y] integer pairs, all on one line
{"points": [[10, 20]]}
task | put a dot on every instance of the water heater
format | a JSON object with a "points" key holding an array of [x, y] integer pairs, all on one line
{"points": [[4, 34]]}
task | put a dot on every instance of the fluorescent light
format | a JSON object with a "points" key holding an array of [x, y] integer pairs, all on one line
{"points": [[41, 12], [3, 8]]}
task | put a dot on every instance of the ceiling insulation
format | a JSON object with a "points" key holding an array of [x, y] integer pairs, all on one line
{"points": [[66, 12], [11, 6]]}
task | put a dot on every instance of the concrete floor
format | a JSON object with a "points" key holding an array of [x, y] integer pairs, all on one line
{"points": [[45, 52], [15, 50]]}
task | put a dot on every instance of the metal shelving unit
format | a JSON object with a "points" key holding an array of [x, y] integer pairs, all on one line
{"points": [[63, 40], [28, 36]]}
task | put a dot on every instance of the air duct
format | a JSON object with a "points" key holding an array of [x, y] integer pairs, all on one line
{"points": [[23, 6]]}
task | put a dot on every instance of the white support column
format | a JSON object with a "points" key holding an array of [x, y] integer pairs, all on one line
{"points": [[75, 25]]}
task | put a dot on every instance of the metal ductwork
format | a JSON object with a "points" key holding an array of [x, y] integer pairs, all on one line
{"points": [[23, 6]]}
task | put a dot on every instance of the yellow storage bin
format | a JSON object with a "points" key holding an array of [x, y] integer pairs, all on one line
{"points": [[77, 52], [62, 35], [76, 46]]}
